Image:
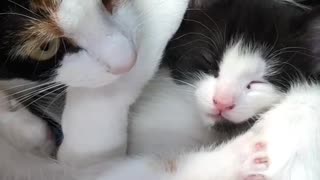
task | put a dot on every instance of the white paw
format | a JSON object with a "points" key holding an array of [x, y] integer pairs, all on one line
{"points": [[256, 163]]}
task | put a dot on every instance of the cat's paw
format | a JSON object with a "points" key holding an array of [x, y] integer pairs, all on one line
{"points": [[256, 163]]}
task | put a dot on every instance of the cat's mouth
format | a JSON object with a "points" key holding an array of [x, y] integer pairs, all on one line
{"points": [[224, 121], [219, 118]]}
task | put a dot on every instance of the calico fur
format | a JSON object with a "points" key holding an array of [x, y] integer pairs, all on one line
{"points": [[99, 88]]}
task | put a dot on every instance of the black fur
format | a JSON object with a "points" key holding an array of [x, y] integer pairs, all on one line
{"points": [[205, 34], [13, 20]]}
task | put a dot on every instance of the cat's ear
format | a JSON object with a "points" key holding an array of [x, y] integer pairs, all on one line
{"points": [[313, 32]]}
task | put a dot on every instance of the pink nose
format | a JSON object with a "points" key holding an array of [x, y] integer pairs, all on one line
{"points": [[223, 106]]}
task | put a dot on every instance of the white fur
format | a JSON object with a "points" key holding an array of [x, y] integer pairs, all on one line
{"points": [[95, 120], [165, 119], [21, 128], [240, 66], [95, 111], [291, 131], [98, 99], [107, 50]]}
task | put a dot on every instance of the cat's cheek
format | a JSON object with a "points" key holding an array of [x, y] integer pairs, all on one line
{"points": [[81, 70], [204, 99]]}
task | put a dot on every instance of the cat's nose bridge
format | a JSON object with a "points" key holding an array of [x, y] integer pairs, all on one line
{"points": [[93, 30], [116, 52]]}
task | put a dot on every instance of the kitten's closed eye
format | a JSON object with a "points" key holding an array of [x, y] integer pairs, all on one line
{"points": [[253, 83]]}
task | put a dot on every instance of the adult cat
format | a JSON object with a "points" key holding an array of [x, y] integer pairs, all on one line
{"points": [[102, 52]]}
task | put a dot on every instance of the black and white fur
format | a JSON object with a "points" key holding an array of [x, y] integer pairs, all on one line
{"points": [[251, 55], [103, 60], [206, 164], [259, 54]]}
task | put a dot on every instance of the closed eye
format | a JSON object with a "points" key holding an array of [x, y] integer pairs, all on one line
{"points": [[253, 83]]}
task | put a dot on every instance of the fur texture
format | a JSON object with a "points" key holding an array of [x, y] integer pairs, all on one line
{"points": [[221, 60], [197, 165], [99, 90], [108, 106]]}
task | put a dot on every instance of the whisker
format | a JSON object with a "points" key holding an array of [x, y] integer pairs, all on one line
{"points": [[29, 89], [22, 15], [54, 90], [29, 96]]}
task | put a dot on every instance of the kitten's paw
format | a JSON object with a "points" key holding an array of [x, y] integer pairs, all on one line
{"points": [[256, 163]]}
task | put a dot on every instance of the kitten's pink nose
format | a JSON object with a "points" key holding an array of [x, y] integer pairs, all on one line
{"points": [[224, 105]]}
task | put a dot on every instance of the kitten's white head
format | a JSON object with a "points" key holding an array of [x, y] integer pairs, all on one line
{"points": [[244, 57], [240, 91]]}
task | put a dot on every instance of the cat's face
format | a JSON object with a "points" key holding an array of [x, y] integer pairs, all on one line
{"points": [[73, 42], [240, 55], [240, 91]]}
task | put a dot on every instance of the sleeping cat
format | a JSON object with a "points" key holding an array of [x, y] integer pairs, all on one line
{"points": [[94, 121], [258, 60], [196, 165], [220, 70], [101, 53]]}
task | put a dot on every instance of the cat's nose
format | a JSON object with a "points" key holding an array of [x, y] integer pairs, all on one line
{"points": [[223, 105], [118, 69]]}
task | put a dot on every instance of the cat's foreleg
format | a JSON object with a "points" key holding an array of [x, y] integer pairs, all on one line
{"points": [[223, 163], [287, 142], [94, 123]]}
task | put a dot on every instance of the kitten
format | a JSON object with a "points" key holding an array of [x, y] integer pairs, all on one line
{"points": [[101, 53], [284, 143], [221, 163], [224, 69]]}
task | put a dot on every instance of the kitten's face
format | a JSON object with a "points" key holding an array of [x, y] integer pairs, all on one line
{"points": [[76, 43], [241, 89], [240, 62]]}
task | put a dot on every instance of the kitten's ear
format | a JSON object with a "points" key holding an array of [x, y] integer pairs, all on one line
{"points": [[313, 32]]}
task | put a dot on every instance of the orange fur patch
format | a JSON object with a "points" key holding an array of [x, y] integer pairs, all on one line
{"points": [[45, 5], [40, 31]]}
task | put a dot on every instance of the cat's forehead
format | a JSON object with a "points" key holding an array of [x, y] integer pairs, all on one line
{"points": [[242, 61], [41, 21]]}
